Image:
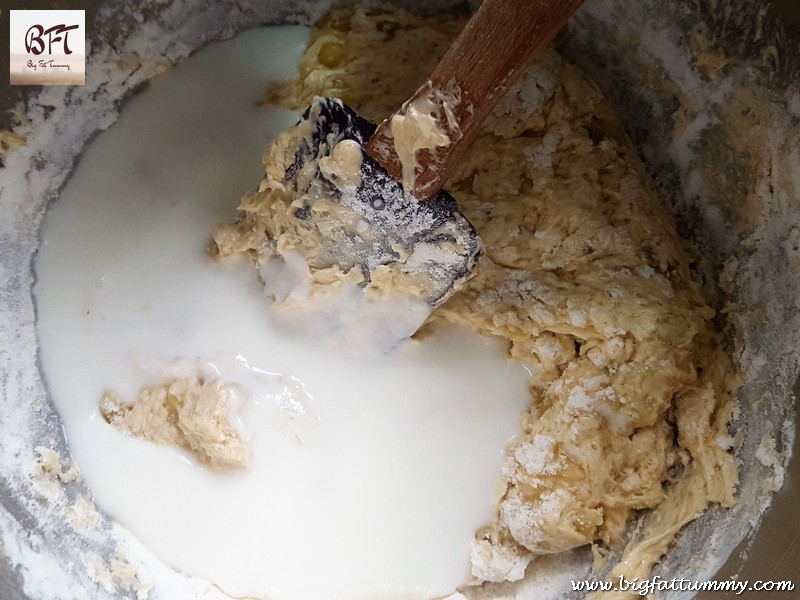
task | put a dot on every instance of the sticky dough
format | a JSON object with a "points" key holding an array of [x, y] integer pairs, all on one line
{"points": [[584, 275], [189, 413]]}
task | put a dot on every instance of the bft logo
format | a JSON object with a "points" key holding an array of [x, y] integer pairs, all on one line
{"points": [[34, 38], [48, 47]]}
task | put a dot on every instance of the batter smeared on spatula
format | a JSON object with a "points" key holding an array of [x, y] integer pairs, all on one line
{"points": [[352, 215], [349, 249]]}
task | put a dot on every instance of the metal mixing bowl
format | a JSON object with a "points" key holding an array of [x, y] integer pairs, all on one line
{"points": [[648, 57]]}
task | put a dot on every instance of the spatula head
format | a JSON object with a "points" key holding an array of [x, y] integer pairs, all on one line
{"points": [[356, 216]]}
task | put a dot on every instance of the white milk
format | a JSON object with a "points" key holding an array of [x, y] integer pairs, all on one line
{"points": [[369, 475]]}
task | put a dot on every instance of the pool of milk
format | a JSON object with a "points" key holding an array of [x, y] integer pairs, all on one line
{"points": [[370, 475]]}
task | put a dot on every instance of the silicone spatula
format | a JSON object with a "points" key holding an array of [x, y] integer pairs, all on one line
{"points": [[416, 228]]}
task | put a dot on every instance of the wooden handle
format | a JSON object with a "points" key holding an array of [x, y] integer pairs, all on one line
{"points": [[479, 67]]}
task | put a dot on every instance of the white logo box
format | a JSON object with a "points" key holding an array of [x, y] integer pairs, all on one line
{"points": [[48, 47]]}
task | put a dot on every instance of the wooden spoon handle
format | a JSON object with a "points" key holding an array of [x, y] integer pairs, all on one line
{"points": [[479, 67]]}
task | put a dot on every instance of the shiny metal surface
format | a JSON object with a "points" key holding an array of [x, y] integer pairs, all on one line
{"points": [[773, 552]]}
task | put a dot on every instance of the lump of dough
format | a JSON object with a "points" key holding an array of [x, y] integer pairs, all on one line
{"points": [[584, 275], [187, 413]]}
